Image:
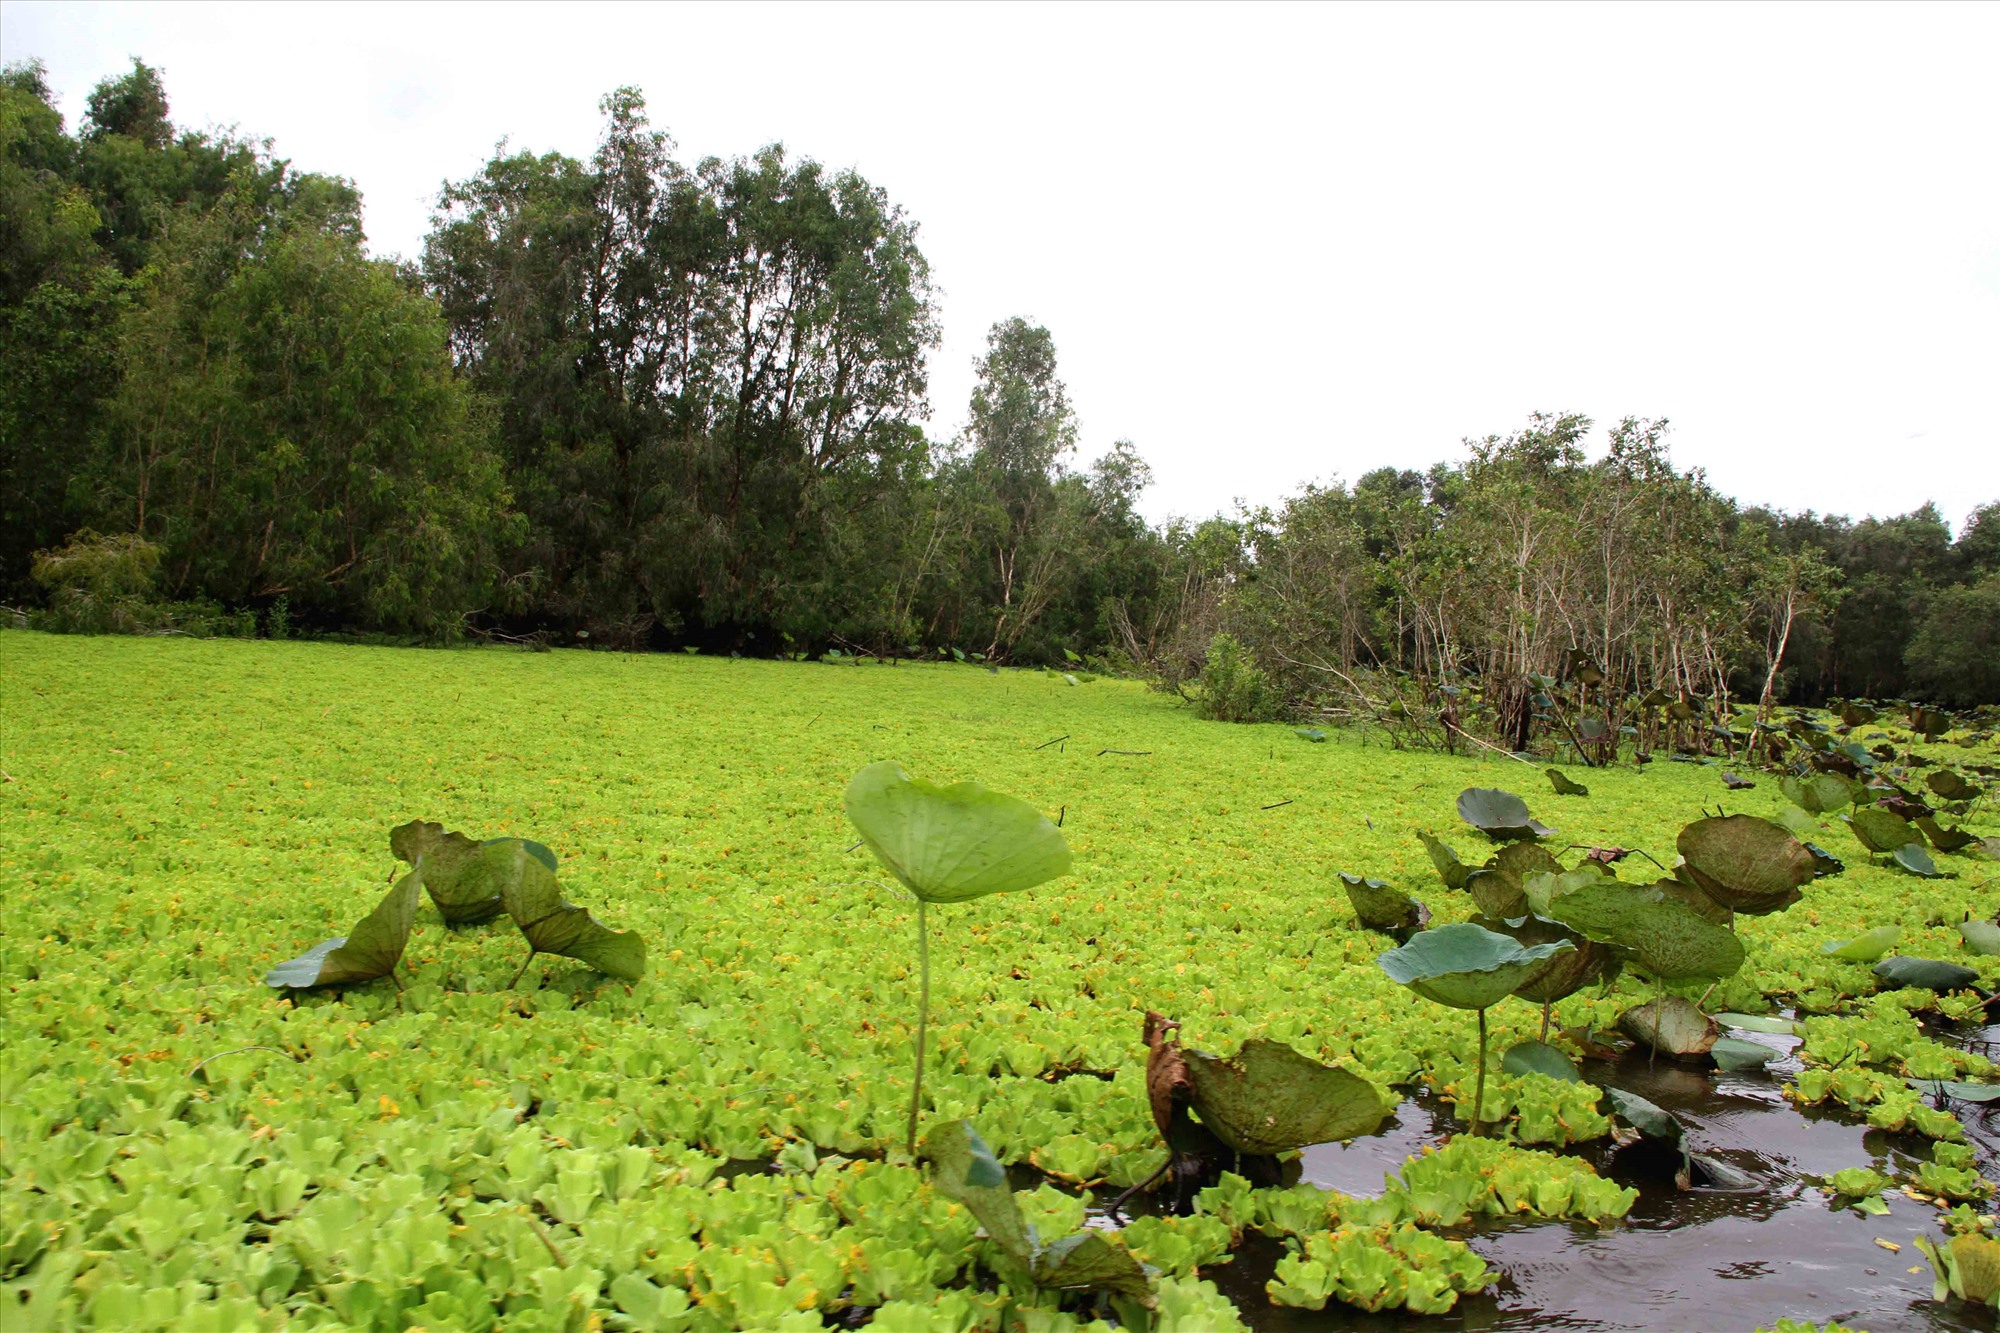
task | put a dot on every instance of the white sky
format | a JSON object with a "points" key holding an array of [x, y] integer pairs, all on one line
{"points": [[1287, 243]]}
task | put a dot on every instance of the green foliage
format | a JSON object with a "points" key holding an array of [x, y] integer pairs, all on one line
{"points": [[1500, 815], [1268, 1099], [224, 1155], [372, 950], [1233, 687], [1465, 966], [98, 584], [950, 844]]}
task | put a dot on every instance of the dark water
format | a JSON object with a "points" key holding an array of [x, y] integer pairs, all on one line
{"points": [[1700, 1259]]}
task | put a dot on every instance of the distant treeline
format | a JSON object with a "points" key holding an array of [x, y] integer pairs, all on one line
{"points": [[639, 403]]}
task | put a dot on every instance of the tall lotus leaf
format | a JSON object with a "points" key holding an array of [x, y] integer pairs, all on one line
{"points": [[1668, 939], [1560, 975], [1981, 937], [1672, 1025], [1542, 888], [1796, 821], [1695, 897], [553, 925], [1500, 887], [1867, 947], [1270, 1099], [1952, 786], [1500, 815], [1819, 793], [372, 950], [457, 878], [1929, 973], [1452, 870], [1747, 864], [1942, 838], [966, 1170], [1879, 830], [949, 844], [1380, 906], [1466, 966]]}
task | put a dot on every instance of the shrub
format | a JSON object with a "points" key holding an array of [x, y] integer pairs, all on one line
{"points": [[1233, 687], [98, 583]]}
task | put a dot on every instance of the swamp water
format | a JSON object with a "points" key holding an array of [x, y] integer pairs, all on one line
{"points": [[1701, 1259]]}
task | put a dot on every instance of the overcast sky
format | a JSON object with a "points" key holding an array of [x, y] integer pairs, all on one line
{"points": [[1280, 244]]}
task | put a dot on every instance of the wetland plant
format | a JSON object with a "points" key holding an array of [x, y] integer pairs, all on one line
{"points": [[1468, 967], [949, 845], [469, 882]]}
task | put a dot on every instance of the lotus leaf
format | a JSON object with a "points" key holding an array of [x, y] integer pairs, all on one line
{"points": [[1800, 824], [1929, 973], [966, 1170], [1824, 862], [1819, 793], [1649, 1119], [1942, 838], [1917, 861], [1952, 786], [1500, 886], [1563, 785], [1981, 937], [1672, 1025], [372, 950], [1668, 939], [1879, 830], [1747, 864], [453, 871], [1465, 966], [1736, 1053], [1270, 1099], [1500, 815], [1563, 974], [549, 922], [1693, 896], [1958, 1092], [1541, 888], [1087, 1259], [1865, 948], [1771, 1023], [949, 844], [1452, 870], [1382, 907], [1538, 1057]]}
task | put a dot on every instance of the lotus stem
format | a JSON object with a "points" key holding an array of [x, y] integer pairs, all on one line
{"points": [[923, 1020], [1546, 1006], [1479, 1095], [524, 968]]}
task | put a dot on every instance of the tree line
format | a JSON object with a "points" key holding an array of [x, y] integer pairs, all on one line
{"points": [[639, 402]]}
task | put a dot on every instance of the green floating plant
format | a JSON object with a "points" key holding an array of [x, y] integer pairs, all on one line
{"points": [[949, 845]]}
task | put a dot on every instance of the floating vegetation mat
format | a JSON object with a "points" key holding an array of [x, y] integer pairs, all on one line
{"points": [[695, 1113]]}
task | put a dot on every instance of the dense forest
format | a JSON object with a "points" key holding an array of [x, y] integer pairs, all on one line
{"points": [[634, 402]]}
